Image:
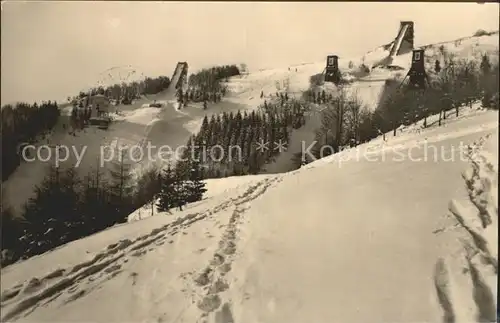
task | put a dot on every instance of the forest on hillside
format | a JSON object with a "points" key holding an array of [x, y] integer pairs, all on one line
{"points": [[24, 123], [66, 206], [242, 143], [208, 84], [125, 92]]}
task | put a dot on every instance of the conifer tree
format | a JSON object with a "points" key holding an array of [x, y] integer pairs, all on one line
{"points": [[437, 66], [167, 198], [195, 186], [121, 187]]}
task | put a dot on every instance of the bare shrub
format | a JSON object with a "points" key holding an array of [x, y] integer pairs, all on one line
{"points": [[341, 121], [317, 80]]}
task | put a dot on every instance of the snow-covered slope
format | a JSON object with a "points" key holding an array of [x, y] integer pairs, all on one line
{"points": [[353, 237], [348, 238], [135, 125], [167, 126], [477, 255]]}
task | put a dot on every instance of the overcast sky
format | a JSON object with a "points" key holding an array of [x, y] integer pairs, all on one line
{"points": [[52, 49]]}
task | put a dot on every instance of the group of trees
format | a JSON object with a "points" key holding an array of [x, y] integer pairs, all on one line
{"points": [[66, 207], [79, 117], [180, 185], [24, 123], [126, 92], [207, 84], [345, 121], [317, 96], [183, 98], [458, 83], [239, 143]]}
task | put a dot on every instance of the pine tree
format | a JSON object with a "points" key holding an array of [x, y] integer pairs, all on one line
{"points": [[437, 66], [486, 81], [167, 198], [195, 186], [211, 138], [204, 127], [485, 64], [121, 187]]}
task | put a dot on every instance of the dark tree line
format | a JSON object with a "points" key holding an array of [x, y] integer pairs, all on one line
{"points": [[231, 144], [66, 207], [206, 85], [24, 123], [317, 96], [126, 92], [181, 185]]}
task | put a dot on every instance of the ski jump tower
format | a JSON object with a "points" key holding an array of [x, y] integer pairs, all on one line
{"points": [[417, 75], [332, 73]]}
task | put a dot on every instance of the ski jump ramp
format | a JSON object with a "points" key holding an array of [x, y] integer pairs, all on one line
{"points": [[399, 40], [179, 77], [401, 45]]}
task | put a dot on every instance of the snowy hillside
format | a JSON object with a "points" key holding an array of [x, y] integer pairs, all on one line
{"points": [[169, 126], [343, 239], [385, 231]]}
